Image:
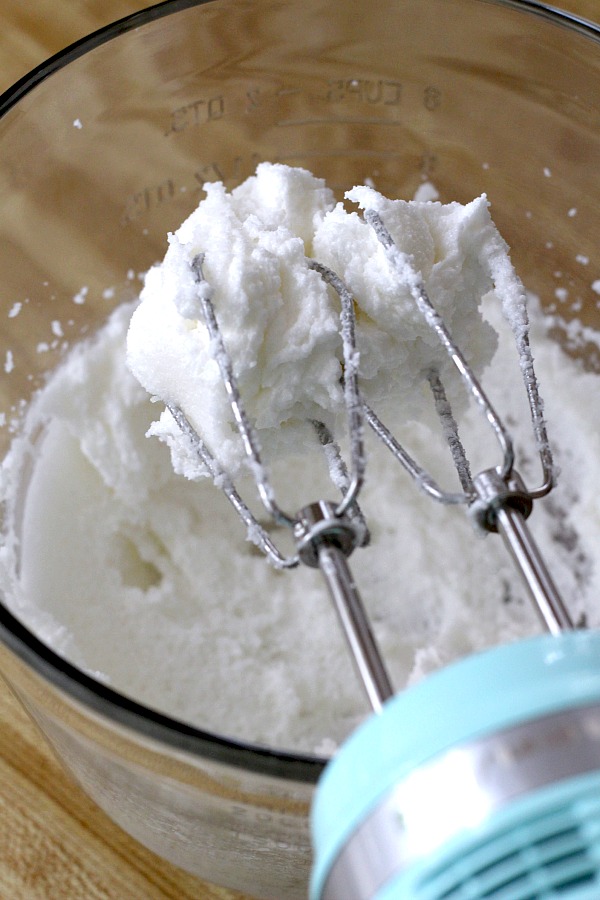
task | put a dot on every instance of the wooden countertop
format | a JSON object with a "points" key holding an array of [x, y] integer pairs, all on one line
{"points": [[54, 843]]}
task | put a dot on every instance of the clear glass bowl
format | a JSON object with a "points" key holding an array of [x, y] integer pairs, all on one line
{"points": [[104, 149]]}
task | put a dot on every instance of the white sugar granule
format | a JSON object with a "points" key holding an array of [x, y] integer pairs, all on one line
{"points": [[81, 296], [425, 192]]}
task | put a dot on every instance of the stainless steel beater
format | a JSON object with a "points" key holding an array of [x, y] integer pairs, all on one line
{"points": [[327, 532]]}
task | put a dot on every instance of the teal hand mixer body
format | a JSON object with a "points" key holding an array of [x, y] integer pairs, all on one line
{"points": [[483, 780]]}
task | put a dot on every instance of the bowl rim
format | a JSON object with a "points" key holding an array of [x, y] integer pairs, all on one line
{"points": [[77, 685]]}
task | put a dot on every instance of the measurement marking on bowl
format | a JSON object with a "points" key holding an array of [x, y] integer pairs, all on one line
{"points": [[153, 196], [340, 92], [147, 199], [196, 113], [340, 101], [339, 120], [366, 90]]}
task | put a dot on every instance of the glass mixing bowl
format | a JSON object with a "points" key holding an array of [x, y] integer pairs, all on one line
{"points": [[104, 149]]}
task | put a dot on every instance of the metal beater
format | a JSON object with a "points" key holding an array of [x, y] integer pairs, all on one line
{"points": [[455, 790]]}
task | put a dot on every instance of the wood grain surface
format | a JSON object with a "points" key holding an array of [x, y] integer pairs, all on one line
{"points": [[54, 843]]}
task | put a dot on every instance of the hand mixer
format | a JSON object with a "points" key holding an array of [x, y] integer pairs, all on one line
{"points": [[484, 779]]}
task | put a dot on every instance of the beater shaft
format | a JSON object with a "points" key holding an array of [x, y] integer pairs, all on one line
{"points": [[325, 540], [355, 625], [526, 555]]}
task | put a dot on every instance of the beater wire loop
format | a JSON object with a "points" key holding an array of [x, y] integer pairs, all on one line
{"points": [[352, 398], [255, 531], [338, 472], [514, 308], [422, 479], [450, 429], [245, 429], [349, 482], [409, 276]]}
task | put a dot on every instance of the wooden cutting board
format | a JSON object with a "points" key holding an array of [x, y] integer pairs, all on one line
{"points": [[54, 843]]}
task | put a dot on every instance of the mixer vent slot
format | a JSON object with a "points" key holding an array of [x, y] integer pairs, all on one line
{"points": [[544, 856]]}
